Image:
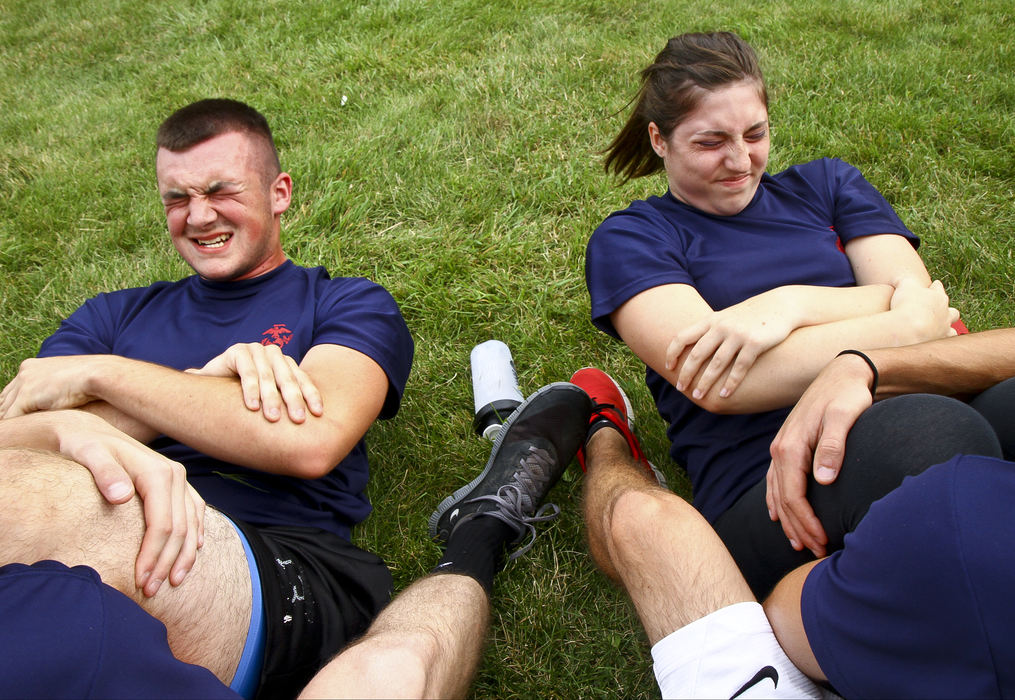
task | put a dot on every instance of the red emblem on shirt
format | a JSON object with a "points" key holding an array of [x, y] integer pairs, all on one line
{"points": [[277, 335]]}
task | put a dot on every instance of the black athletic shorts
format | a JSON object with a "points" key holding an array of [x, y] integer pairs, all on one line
{"points": [[320, 592]]}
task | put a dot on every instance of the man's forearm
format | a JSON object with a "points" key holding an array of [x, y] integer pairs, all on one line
{"points": [[140, 431], [207, 414], [964, 364]]}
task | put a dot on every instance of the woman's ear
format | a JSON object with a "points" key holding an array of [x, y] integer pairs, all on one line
{"points": [[655, 137]]}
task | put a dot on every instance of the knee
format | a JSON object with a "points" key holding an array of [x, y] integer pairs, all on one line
{"points": [[50, 503], [636, 514], [384, 666], [921, 429], [34, 480]]}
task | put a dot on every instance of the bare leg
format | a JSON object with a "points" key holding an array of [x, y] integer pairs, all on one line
{"points": [[427, 644], [783, 610], [52, 510], [657, 546]]}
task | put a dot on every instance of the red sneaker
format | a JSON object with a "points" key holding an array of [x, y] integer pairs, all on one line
{"points": [[612, 408]]}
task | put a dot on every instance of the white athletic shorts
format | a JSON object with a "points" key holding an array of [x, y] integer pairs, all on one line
{"points": [[731, 653]]}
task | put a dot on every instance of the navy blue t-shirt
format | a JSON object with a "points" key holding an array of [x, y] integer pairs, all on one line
{"points": [[186, 323], [792, 232], [918, 603], [66, 634]]}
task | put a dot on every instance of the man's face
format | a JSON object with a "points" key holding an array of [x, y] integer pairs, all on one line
{"points": [[223, 207]]}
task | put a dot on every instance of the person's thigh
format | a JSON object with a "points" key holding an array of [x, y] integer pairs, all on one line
{"points": [[52, 510], [918, 602], [893, 439], [996, 405]]}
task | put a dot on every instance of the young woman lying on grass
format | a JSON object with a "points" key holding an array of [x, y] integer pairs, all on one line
{"points": [[735, 287]]}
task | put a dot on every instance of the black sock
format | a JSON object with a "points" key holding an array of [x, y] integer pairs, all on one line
{"points": [[476, 548]]}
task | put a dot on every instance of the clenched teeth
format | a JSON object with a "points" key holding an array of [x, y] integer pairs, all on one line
{"points": [[216, 242]]}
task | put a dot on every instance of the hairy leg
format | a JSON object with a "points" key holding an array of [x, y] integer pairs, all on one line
{"points": [[427, 643], [657, 546], [53, 511]]}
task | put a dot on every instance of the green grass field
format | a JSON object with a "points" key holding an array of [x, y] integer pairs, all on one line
{"points": [[449, 150]]}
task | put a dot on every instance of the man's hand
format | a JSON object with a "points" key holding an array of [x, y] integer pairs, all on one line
{"points": [[47, 384], [268, 378], [813, 440], [121, 467], [734, 336]]}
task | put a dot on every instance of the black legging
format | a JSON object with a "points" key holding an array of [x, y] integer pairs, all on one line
{"points": [[893, 439]]}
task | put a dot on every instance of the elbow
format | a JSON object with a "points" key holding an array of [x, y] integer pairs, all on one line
{"points": [[312, 461], [712, 403], [731, 405]]}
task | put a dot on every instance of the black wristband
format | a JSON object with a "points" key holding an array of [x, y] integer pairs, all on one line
{"points": [[870, 363]]}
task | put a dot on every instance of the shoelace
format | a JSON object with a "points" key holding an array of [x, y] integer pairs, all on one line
{"points": [[516, 499]]}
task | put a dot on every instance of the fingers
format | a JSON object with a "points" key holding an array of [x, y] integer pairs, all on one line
{"points": [[724, 343], [194, 539], [8, 400], [746, 358], [297, 389], [788, 476], [787, 502], [246, 369], [689, 335], [721, 359], [269, 380], [5, 398], [122, 467], [808, 533], [172, 532], [704, 348]]}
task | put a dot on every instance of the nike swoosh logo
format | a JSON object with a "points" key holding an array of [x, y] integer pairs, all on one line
{"points": [[766, 672]]}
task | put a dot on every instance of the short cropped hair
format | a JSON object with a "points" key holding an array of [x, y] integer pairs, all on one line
{"points": [[205, 119]]}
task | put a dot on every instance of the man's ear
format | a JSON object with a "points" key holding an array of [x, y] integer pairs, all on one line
{"points": [[281, 193]]}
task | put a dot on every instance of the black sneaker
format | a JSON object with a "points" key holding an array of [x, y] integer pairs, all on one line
{"points": [[532, 450]]}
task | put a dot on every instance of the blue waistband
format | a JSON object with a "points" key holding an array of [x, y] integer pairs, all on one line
{"points": [[248, 670]]}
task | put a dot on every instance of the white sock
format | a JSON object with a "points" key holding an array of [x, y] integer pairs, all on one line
{"points": [[731, 652]]}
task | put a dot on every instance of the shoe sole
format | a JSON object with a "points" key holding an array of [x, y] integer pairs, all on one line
{"points": [[464, 491]]}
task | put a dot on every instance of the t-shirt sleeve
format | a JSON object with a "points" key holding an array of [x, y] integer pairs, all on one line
{"points": [[363, 315], [859, 209], [87, 331], [633, 250]]}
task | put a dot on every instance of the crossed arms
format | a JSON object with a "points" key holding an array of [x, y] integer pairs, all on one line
{"points": [[250, 406], [786, 335]]}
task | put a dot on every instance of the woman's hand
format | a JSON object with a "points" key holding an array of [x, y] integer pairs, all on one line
{"points": [[268, 378], [731, 339], [926, 308]]}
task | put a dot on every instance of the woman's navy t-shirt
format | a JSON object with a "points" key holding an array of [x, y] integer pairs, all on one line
{"points": [[792, 232]]}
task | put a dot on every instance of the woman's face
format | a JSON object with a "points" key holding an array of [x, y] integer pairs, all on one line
{"points": [[714, 159]]}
